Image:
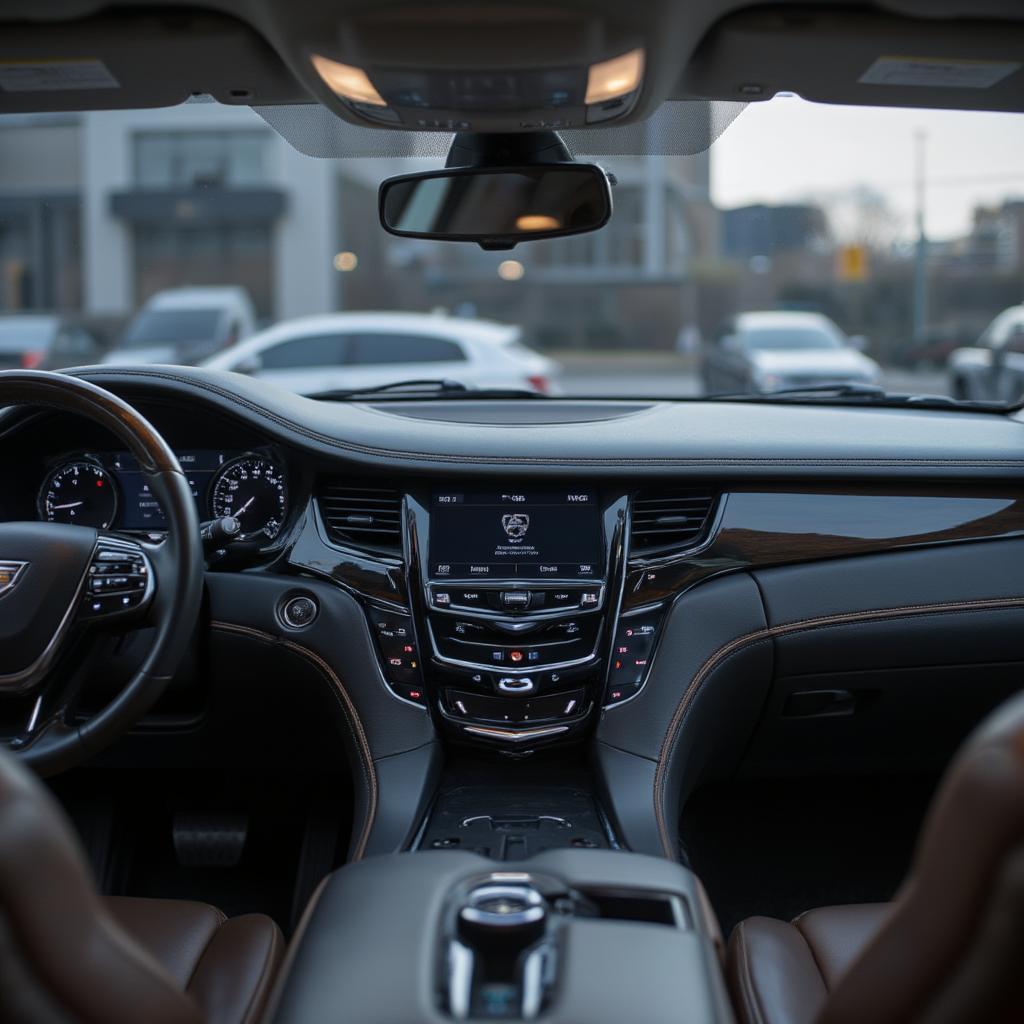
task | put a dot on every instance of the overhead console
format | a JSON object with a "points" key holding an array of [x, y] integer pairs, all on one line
{"points": [[499, 69]]}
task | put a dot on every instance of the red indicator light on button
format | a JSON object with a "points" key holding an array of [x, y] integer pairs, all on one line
{"points": [[618, 664], [516, 655], [415, 695], [407, 648], [99, 483], [616, 694]]}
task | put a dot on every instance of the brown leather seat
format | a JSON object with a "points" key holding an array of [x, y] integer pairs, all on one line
{"points": [[69, 954], [947, 950]]}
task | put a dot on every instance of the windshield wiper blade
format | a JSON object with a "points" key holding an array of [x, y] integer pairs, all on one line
{"points": [[436, 387], [839, 390], [856, 391]]}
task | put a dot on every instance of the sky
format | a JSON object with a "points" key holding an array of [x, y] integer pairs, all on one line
{"points": [[787, 149]]}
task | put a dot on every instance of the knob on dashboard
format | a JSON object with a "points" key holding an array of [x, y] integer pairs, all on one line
{"points": [[299, 611], [516, 684]]}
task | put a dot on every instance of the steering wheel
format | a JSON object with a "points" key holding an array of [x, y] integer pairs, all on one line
{"points": [[58, 581]]}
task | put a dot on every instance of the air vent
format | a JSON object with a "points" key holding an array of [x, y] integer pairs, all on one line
{"points": [[367, 518], [667, 521]]}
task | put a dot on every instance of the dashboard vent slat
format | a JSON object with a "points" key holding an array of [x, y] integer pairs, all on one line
{"points": [[366, 518], [669, 521]]}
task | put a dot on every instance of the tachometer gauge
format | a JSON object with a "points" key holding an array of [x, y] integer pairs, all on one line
{"points": [[252, 489], [81, 493]]}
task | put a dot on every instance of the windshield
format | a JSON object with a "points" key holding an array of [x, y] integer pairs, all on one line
{"points": [[170, 326], [886, 241], [19, 334]]}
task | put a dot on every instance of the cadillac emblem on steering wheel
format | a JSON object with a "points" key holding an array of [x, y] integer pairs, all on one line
{"points": [[10, 573], [515, 525]]}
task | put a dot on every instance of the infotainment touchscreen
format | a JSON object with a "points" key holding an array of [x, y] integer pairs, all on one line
{"points": [[511, 534]]}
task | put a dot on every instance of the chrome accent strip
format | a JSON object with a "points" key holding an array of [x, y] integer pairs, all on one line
{"points": [[515, 737], [533, 984], [528, 615], [460, 979], [33, 719]]}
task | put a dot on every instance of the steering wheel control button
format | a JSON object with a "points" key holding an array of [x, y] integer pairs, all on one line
{"points": [[300, 611], [119, 579]]}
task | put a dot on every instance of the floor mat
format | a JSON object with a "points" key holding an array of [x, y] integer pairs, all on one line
{"points": [[270, 870], [781, 847]]}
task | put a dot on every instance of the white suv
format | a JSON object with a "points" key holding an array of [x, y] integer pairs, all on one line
{"points": [[342, 351], [185, 325]]}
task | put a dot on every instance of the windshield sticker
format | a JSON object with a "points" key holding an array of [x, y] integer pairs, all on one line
{"points": [[55, 75], [939, 74]]}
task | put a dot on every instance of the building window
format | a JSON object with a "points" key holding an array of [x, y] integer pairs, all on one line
{"points": [[189, 159], [176, 257]]}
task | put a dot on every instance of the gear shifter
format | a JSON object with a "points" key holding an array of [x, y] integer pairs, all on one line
{"points": [[498, 958]]}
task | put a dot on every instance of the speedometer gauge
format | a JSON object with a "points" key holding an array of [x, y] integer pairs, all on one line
{"points": [[252, 489], [81, 493]]}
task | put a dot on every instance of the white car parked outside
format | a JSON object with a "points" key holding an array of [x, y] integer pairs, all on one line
{"points": [[342, 351]]}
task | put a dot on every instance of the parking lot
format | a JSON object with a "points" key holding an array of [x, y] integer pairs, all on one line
{"points": [[670, 375]]}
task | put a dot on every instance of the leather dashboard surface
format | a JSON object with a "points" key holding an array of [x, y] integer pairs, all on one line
{"points": [[703, 438]]}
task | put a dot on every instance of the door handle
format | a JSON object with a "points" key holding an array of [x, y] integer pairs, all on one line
{"points": [[819, 704]]}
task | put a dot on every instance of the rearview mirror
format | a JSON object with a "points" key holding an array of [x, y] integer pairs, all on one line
{"points": [[497, 207]]}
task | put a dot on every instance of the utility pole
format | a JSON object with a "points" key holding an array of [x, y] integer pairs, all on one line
{"points": [[920, 308]]}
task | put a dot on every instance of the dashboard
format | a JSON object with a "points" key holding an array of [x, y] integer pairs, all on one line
{"points": [[520, 575]]}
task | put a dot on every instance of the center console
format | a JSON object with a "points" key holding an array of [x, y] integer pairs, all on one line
{"points": [[515, 590], [566, 936]]}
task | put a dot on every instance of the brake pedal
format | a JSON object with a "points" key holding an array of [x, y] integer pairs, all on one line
{"points": [[209, 839]]}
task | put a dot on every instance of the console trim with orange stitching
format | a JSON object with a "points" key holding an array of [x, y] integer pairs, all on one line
{"points": [[355, 723], [769, 633]]}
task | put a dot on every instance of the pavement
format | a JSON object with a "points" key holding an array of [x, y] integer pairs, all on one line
{"points": [[672, 376]]}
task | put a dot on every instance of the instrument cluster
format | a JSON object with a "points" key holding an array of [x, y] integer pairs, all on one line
{"points": [[109, 491]]}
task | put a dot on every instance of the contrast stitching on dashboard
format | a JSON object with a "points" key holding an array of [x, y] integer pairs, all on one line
{"points": [[715, 659], [348, 707], [362, 449]]}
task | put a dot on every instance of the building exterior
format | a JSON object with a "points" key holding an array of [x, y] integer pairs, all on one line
{"points": [[100, 210]]}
